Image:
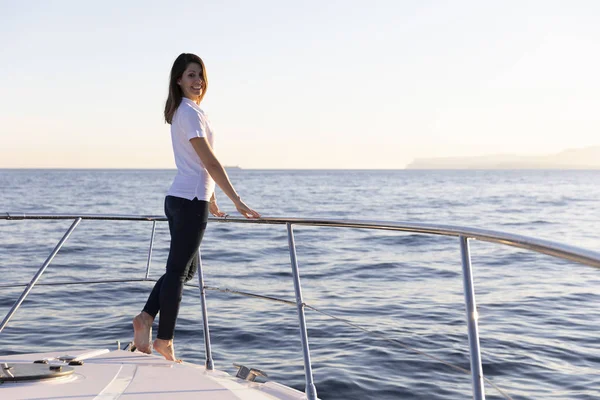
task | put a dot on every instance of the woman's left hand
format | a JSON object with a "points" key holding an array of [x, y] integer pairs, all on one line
{"points": [[214, 210]]}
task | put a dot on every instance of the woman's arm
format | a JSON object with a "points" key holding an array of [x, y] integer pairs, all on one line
{"points": [[217, 172]]}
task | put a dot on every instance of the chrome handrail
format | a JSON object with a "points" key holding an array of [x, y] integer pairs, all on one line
{"points": [[472, 317], [555, 249], [207, 347], [311, 390], [39, 273]]}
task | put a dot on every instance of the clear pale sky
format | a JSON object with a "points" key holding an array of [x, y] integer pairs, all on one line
{"points": [[299, 84]]}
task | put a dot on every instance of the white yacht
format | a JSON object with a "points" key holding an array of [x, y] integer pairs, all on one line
{"points": [[72, 373], [104, 374]]}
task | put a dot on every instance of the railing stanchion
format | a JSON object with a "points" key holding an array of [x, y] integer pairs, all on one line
{"points": [[209, 361], [39, 273], [150, 249], [311, 390], [472, 317]]}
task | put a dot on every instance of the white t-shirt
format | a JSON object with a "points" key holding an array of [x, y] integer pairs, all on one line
{"points": [[192, 179]]}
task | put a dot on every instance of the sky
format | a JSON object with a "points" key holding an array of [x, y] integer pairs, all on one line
{"points": [[299, 84]]}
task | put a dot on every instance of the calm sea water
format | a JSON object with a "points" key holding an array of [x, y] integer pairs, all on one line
{"points": [[539, 317]]}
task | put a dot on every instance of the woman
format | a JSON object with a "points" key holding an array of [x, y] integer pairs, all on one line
{"points": [[188, 201]]}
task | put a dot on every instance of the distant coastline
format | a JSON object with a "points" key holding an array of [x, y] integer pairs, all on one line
{"points": [[583, 158], [587, 158]]}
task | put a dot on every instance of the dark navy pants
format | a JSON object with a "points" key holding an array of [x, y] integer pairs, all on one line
{"points": [[187, 223]]}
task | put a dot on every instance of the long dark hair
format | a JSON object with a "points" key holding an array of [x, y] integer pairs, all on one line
{"points": [[175, 93]]}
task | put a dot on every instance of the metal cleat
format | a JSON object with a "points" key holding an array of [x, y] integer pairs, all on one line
{"points": [[248, 374]]}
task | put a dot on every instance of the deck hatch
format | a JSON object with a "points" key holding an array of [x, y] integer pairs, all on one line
{"points": [[15, 372]]}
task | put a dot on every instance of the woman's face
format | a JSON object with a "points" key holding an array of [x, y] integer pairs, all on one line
{"points": [[191, 81]]}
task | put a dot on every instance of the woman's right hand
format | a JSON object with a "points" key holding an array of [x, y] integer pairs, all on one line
{"points": [[245, 210]]}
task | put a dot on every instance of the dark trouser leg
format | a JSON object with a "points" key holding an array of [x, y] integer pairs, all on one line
{"points": [[187, 223], [152, 306]]}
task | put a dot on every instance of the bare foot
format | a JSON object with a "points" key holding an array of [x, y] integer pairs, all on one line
{"points": [[142, 332], [165, 347]]}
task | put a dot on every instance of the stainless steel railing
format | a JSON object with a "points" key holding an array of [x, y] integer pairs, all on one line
{"points": [[464, 234]]}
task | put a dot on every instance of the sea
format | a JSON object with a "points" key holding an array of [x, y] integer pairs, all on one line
{"points": [[391, 321]]}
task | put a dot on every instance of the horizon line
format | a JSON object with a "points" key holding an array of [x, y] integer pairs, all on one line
{"points": [[175, 169], [548, 168]]}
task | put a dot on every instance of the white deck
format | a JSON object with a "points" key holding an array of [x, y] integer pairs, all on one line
{"points": [[133, 376]]}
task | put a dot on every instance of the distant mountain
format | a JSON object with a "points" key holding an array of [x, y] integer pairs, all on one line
{"points": [[585, 158]]}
